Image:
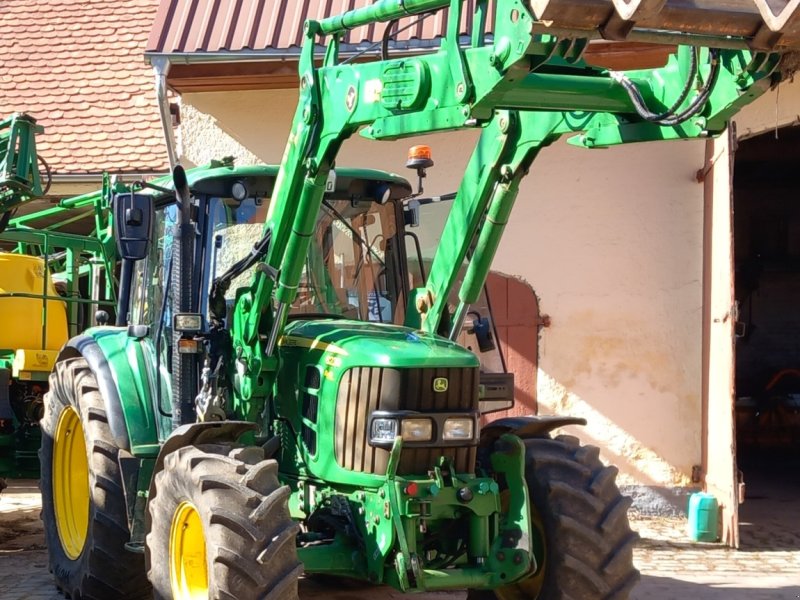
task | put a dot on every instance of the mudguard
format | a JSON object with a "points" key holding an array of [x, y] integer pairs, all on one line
{"points": [[118, 362], [525, 427]]}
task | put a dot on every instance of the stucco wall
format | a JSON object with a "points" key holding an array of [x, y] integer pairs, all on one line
{"points": [[610, 240]]}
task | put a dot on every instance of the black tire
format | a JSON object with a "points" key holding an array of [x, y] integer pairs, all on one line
{"points": [[588, 540], [104, 569], [248, 533]]}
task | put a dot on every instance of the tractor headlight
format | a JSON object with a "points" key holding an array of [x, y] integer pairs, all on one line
{"points": [[416, 430], [187, 322], [458, 428], [383, 431]]}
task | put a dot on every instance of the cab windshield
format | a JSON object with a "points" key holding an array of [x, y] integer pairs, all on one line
{"points": [[351, 269]]}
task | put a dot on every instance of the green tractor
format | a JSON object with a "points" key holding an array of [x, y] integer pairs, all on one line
{"points": [[281, 394]]}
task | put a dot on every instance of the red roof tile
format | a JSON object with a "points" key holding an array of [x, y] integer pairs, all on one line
{"points": [[78, 68], [197, 26]]}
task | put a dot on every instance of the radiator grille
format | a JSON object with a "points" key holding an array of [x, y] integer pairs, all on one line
{"points": [[367, 389]]}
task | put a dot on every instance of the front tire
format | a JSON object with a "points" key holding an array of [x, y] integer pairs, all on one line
{"points": [[83, 505], [220, 527], [588, 542]]}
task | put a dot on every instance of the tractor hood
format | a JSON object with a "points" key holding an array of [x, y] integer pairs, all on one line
{"points": [[375, 344]]}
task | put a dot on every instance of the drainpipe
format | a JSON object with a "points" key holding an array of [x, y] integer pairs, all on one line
{"points": [[161, 66]]}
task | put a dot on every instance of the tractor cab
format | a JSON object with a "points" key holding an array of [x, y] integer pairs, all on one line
{"points": [[354, 268]]}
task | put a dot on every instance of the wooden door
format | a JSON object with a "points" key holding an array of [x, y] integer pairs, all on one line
{"points": [[719, 317]]}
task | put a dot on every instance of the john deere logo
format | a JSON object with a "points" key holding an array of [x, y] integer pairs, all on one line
{"points": [[440, 384]]}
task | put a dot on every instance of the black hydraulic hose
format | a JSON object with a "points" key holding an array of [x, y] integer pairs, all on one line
{"points": [[687, 88], [387, 35], [670, 117], [221, 284]]}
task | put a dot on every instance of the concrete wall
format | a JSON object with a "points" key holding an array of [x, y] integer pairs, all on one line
{"points": [[611, 241]]}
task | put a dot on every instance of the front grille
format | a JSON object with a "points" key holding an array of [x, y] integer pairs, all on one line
{"points": [[364, 390]]}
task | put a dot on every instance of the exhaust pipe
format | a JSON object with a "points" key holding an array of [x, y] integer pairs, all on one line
{"points": [[161, 67]]}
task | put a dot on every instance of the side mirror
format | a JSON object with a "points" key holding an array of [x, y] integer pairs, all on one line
{"points": [[133, 224]]}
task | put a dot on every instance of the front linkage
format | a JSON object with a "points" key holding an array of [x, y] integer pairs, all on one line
{"points": [[491, 546]]}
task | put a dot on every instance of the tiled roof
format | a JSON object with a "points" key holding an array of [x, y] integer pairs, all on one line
{"points": [[77, 66], [199, 26]]}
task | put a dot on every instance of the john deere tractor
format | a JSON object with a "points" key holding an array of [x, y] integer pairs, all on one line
{"points": [[276, 397]]}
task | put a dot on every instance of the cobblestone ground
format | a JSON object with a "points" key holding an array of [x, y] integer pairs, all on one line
{"points": [[767, 567]]}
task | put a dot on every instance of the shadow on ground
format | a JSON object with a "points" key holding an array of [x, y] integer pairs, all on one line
{"points": [[712, 588]]}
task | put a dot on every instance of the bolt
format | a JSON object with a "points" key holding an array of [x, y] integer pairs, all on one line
{"points": [[376, 519], [382, 493], [465, 494], [360, 510], [501, 556], [460, 90], [517, 558]]}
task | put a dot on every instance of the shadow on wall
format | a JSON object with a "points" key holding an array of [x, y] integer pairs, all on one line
{"points": [[712, 588], [515, 308]]}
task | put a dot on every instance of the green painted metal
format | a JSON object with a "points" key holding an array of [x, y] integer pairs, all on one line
{"points": [[128, 359], [524, 91], [436, 529], [19, 164], [334, 347]]}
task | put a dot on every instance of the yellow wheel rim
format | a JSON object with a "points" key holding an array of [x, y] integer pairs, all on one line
{"points": [[70, 483], [188, 573]]}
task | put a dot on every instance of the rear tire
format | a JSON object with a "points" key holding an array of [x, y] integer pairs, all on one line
{"points": [[227, 501], [588, 541], [94, 565]]}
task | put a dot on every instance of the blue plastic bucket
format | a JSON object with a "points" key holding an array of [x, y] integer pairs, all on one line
{"points": [[703, 517]]}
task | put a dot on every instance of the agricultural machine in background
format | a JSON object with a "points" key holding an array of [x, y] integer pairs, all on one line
{"points": [[52, 285], [283, 397], [20, 179]]}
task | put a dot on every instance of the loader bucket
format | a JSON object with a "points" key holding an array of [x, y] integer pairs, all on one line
{"points": [[772, 25], [758, 24]]}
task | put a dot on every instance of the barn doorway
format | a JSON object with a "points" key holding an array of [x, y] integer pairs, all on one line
{"points": [[766, 225]]}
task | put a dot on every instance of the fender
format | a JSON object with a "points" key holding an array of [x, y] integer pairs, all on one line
{"points": [[199, 433], [118, 363], [525, 427]]}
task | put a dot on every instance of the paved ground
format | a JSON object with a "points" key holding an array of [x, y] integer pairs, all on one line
{"points": [[767, 567]]}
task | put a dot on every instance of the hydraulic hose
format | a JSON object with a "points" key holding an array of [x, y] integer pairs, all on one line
{"points": [[670, 117]]}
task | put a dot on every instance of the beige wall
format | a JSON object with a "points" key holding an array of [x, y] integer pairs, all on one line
{"points": [[611, 240]]}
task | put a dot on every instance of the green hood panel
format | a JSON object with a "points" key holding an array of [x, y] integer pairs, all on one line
{"points": [[376, 344]]}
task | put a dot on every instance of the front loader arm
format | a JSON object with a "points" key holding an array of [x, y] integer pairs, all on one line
{"points": [[524, 89]]}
